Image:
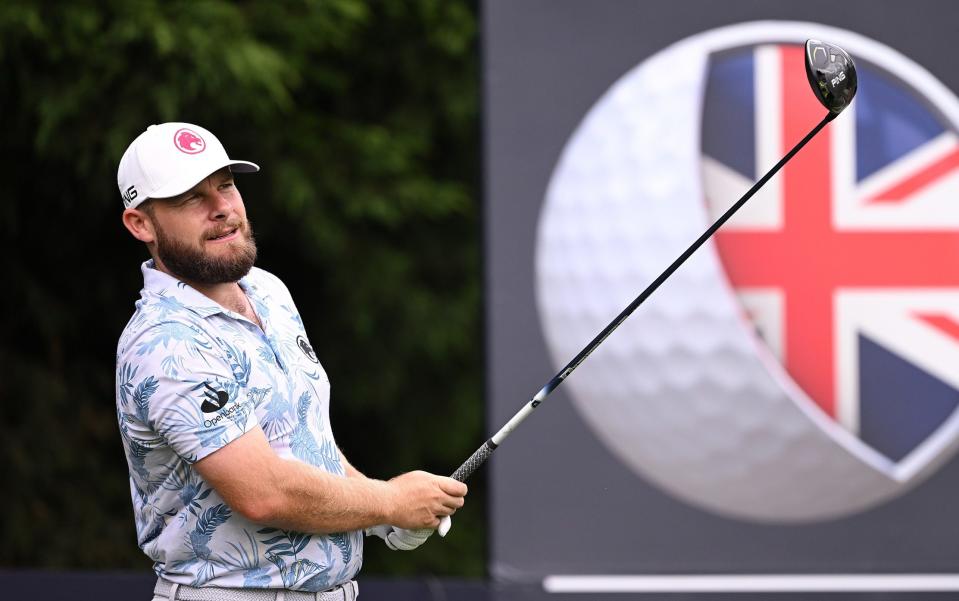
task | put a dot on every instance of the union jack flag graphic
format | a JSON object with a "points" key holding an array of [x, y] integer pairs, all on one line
{"points": [[848, 260]]}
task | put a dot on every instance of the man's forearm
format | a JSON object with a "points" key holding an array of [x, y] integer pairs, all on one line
{"points": [[287, 493], [267, 489], [311, 500]]}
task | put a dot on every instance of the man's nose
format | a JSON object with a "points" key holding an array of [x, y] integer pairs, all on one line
{"points": [[220, 205]]}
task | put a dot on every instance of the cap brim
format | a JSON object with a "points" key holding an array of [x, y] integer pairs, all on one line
{"points": [[183, 184], [243, 167]]}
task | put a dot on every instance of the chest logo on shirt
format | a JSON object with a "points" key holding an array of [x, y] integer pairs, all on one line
{"points": [[307, 349]]}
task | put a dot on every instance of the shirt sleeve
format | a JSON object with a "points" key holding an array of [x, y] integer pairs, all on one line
{"points": [[195, 389]]}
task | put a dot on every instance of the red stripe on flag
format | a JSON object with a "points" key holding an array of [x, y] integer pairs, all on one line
{"points": [[920, 180], [943, 323], [807, 189]]}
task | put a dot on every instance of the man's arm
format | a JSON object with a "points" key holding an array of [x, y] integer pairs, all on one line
{"points": [[266, 489]]}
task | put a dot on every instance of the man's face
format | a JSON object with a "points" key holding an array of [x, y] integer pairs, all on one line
{"points": [[202, 235]]}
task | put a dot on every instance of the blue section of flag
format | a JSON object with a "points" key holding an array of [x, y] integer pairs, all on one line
{"points": [[729, 107], [899, 404], [890, 121]]}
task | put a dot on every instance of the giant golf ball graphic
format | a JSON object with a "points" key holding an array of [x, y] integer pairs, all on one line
{"points": [[684, 392]]}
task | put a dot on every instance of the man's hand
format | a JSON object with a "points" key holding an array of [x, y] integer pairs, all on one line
{"points": [[420, 499], [400, 539]]}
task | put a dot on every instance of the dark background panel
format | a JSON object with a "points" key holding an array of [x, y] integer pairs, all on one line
{"points": [[561, 503]]}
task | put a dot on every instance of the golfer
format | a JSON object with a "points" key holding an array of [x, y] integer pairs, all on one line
{"points": [[239, 489]]}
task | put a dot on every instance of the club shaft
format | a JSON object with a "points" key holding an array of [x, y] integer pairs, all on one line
{"points": [[482, 454]]}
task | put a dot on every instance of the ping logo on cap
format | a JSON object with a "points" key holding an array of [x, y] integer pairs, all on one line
{"points": [[188, 141], [129, 195]]}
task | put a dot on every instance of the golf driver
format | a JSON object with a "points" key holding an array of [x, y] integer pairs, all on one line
{"points": [[832, 76]]}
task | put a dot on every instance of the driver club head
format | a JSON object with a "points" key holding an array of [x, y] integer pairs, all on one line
{"points": [[832, 74]]}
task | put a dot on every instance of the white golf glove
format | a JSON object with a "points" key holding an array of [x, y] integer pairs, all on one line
{"points": [[400, 539]]}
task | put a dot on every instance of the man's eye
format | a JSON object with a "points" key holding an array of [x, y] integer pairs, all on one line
{"points": [[226, 185]]}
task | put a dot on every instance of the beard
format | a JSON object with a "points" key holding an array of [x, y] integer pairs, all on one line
{"points": [[193, 264]]}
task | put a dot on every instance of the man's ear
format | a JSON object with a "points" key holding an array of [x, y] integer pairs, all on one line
{"points": [[140, 225]]}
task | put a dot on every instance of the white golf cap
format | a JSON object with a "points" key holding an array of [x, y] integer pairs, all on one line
{"points": [[169, 159]]}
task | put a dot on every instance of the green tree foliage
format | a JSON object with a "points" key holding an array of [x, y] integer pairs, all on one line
{"points": [[363, 117]]}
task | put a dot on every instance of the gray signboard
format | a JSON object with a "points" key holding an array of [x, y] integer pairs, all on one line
{"points": [[780, 416]]}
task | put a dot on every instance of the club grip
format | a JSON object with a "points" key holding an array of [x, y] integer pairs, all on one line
{"points": [[464, 471], [477, 459]]}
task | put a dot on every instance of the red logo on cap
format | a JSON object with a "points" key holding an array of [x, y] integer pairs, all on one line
{"points": [[188, 141]]}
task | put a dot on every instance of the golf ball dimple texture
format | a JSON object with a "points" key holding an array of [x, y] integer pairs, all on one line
{"points": [[683, 392]]}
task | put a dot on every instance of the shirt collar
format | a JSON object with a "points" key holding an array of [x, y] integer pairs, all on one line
{"points": [[165, 285]]}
